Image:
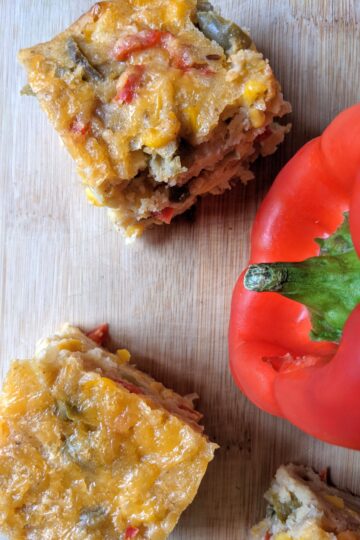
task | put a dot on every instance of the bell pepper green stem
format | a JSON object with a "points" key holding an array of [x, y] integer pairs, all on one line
{"points": [[328, 285]]}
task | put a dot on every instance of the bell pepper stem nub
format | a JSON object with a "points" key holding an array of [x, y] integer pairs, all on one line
{"points": [[265, 277]]}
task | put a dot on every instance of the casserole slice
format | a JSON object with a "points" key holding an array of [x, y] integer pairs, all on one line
{"points": [[302, 506], [159, 102], [92, 448]]}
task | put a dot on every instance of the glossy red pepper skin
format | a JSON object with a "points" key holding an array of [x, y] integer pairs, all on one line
{"points": [[317, 387]]}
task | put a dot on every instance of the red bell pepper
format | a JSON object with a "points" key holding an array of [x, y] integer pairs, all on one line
{"points": [[297, 354]]}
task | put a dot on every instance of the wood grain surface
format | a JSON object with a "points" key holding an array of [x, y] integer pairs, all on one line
{"points": [[166, 297]]}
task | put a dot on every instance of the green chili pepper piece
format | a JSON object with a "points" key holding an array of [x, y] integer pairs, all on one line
{"points": [[79, 58], [226, 33]]}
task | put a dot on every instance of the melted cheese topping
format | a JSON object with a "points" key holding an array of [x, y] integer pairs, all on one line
{"points": [[172, 99], [82, 457]]}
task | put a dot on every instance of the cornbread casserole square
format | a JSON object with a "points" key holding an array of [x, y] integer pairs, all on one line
{"points": [[158, 102], [92, 448], [302, 506]]}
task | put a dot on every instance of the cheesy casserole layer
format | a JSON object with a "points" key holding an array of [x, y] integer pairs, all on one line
{"points": [[158, 102], [302, 506], [91, 448]]}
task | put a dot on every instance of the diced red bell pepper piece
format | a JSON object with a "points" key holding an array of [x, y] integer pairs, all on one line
{"points": [[165, 215], [131, 532], [132, 82], [99, 334], [184, 63], [180, 56], [146, 39]]}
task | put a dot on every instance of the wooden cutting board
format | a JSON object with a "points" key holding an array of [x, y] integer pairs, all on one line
{"points": [[167, 297]]}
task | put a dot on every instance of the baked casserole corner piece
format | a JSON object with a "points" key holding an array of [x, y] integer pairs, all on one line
{"points": [[92, 448], [302, 506], [159, 102]]}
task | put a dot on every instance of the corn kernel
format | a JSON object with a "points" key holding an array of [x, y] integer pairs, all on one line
{"points": [[283, 536], [123, 356], [336, 501], [253, 91], [158, 137], [154, 138], [72, 345], [109, 384], [99, 384], [257, 118], [91, 197]]}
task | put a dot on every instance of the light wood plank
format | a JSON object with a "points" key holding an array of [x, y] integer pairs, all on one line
{"points": [[167, 297]]}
